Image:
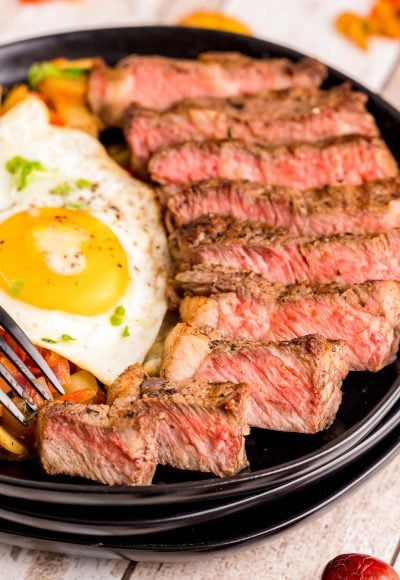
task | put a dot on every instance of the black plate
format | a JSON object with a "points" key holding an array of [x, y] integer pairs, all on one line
{"points": [[138, 521], [230, 532], [274, 457]]}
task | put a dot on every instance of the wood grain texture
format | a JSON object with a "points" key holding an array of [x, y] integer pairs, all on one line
{"points": [[21, 564]]}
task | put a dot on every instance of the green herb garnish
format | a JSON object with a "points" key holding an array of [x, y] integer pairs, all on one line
{"points": [[126, 332], [23, 170], [15, 287], [229, 133], [83, 184], [62, 189], [40, 71], [49, 340], [67, 338], [78, 206], [118, 317]]}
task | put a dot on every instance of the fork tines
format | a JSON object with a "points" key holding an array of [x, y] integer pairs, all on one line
{"points": [[12, 328]]}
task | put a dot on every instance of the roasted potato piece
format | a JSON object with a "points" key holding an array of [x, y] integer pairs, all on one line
{"points": [[14, 96]]}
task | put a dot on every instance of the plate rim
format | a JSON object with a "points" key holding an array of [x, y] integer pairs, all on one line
{"points": [[162, 490]]}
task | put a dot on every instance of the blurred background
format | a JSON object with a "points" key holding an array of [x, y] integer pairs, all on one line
{"points": [[355, 36]]}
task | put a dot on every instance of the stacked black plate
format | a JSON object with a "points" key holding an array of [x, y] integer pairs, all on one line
{"points": [[290, 477]]}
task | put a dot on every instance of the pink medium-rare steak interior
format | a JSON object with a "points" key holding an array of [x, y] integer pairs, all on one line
{"points": [[113, 446], [341, 161], [294, 386], [366, 316], [371, 207], [284, 258], [158, 82], [202, 426], [273, 118]]}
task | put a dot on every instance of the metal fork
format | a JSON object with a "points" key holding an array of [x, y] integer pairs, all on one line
{"points": [[12, 328]]}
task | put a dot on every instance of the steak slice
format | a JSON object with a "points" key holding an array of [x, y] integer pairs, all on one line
{"points": [[202, 425], [276, 117], [285, 258], [158, 82], [371, 207], [366, 316], [99, 442], [294, 386], [115, 444], [342, 161]]}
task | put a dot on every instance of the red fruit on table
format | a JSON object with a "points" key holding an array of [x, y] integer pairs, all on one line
{"points": [[358, 567]]}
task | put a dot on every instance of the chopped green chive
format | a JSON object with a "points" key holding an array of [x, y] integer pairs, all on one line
{"points": [[118, 317], [126, 332], [62, 189], [78, 206], [15, 287], [23, 170], [67, 338], [229, 133], [49, 340], [83, 184], [39, 71]]}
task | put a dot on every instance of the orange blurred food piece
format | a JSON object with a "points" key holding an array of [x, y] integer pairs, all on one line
{"points": [[215, 20], [383, 19]]}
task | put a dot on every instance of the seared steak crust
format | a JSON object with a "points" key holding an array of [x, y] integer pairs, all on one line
{"points": [[202, 425], [99, 442], [342, 161], [126, 387], [275, 117], [158, 82], [285, 258], [366, 316], [371, 207], [294, 386]]}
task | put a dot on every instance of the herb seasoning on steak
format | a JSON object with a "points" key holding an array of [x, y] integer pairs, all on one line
{"points": [[294, 386], [286, 258], [159, 82], [245, 306], [275, 118], [202, 426], [371, 207], [342, 161], [116, 444]]}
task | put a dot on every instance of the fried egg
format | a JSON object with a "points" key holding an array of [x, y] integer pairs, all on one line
{"points": [[83, 253]]}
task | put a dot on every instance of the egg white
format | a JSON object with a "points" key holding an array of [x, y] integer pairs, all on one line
{"points": [[127, 206]]}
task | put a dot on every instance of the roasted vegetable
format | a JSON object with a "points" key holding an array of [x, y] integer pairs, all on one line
{"points": [[63, 86], [384, 19]]}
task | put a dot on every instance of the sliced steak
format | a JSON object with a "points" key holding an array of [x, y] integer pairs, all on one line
{"points": [[294, 386], [366, 316], [158, 82], [202, 425], [285, 258], [371, 207], [126, 387], [99, 442], [278, 117], [116, 444], [342, 161]]}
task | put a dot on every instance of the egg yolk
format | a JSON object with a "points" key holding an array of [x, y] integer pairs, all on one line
{"points": [[62, 259]]}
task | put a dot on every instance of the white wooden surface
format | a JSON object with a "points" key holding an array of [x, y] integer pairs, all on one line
{"points": [[368, 520]]}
